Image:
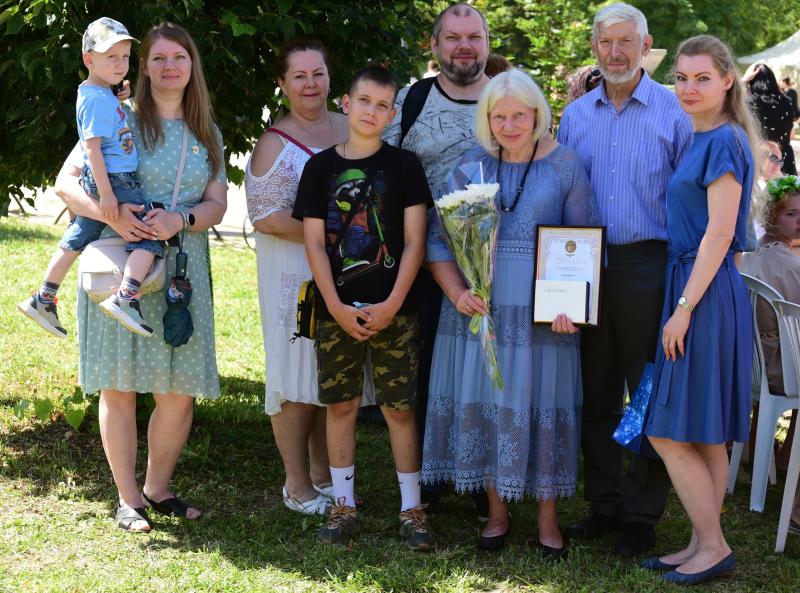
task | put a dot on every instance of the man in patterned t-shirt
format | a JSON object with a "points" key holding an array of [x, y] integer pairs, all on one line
{"points": [[441, 133]]}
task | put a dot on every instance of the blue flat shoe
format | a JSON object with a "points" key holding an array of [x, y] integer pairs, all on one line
{"points": [[655, 563], [722, 568]]}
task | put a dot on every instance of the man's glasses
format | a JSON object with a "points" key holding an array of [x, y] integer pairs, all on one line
{"points": [[775, 160]]}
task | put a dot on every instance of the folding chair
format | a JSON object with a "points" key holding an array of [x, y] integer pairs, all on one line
{"points": [[789, 326]]}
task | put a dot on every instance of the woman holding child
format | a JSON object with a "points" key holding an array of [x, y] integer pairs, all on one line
{"points": [[170, 94], [524, 439], [271, 179]]}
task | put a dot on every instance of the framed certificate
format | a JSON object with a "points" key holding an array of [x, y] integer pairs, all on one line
{"points": [[568, 273]]}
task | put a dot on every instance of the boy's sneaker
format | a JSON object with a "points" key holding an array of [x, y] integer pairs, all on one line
{"points": [[341, 527], [127, 313], [415, 531], [45, 314]]}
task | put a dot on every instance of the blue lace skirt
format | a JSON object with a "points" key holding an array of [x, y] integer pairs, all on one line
{"points": [[522, 440]]}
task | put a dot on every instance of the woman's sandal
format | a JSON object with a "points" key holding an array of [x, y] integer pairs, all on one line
{"points": [[171, 506], [127, 516]]}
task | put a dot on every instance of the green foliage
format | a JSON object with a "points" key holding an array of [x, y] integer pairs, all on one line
{"points": [[41, 66], [748, 27], [547, 39]]}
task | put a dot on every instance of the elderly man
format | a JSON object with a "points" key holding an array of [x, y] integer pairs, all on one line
{"points": [[435, 119], [630, 134]]}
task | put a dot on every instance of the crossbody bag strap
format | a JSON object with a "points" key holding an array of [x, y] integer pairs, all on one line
{"points": [[291, 139], [181, 165]]}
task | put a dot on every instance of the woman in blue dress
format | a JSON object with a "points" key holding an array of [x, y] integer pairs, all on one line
{"points": [[701, 386], [525, 438]]}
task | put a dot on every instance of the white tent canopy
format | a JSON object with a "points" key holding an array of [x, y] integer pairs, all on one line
{"points": [[786, 54]]}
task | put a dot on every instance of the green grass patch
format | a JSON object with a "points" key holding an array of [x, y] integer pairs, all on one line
{"points": [[57, 495]]}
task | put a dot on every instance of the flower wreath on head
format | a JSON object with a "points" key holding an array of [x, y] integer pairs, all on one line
{"points": [[780, 186]]}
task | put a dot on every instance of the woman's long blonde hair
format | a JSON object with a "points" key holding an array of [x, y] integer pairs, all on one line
{"points": [[735, 107], [197, 110]]}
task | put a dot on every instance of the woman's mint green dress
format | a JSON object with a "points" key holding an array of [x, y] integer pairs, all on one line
{"points": [[112, 357]]}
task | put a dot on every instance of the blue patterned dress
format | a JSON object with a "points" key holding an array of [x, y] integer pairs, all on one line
{"points": [[112, 357], [525, 439]]}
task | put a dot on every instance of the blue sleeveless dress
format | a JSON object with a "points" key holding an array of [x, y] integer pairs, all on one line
{"points": [[704, 396]]}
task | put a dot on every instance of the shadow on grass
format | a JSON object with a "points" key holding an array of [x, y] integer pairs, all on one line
{"points": [[10, 233], [232, 470]]}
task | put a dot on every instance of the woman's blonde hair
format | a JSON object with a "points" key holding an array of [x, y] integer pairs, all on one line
{"points": [[517, 85], [197, 111], [735, 106]]}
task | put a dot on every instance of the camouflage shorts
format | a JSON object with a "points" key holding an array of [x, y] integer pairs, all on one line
{"points": [[393, 354]]}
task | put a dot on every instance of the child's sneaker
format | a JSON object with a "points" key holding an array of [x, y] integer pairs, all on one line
{"points": [[127, 313], [415, 531], [341, 527], [45, 314]]}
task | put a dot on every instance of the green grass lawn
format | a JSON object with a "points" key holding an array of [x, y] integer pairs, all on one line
{"points": [[57, 495]]}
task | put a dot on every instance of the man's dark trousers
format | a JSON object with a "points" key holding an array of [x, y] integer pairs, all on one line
{"points": [[612, 355]]}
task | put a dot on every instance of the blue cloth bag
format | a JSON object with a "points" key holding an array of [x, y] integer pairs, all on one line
{"points": [[629, 431]]}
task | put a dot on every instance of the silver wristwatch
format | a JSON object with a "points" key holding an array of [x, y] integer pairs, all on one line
{"points": [[682, 302]]}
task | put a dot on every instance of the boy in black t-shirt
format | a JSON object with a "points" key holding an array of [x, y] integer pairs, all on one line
{"points": [[363, 206]]}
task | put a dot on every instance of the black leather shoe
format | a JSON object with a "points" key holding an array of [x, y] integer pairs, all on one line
{"points": [[594, 526], [553, 554], [636, 538], [494, 543]]}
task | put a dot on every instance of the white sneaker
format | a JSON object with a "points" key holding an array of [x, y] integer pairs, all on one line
{"points": [[326, 490], [127, 313], [44, 314], [315, 506]]}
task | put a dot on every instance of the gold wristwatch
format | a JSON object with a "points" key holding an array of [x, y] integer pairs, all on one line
{"points": [[682, 302]]}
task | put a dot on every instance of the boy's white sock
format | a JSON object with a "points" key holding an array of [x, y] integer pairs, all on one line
{"points": [[410, 490], [343, 479]]}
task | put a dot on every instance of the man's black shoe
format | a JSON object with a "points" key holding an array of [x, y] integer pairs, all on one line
{"points": [[636, 538], [431, 498], [593, 526], [481, 501]]}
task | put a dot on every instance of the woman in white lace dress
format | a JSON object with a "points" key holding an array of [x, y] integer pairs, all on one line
{"points": [[271, 178]]}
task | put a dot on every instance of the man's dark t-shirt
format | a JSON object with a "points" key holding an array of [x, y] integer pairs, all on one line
{"points": [[379, 188]]}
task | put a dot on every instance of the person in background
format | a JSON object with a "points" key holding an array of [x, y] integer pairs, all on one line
{"points": [[631, 134], [581, 81], [495, 64], [701, 382], [786, 89], [774, 111], [774, 262], [433, 69]]}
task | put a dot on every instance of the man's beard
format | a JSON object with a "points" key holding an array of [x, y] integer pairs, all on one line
{"points": [[462, 76], [621, 77]]}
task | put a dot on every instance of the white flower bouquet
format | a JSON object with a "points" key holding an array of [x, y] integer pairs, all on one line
{"points": [[470, 220]]}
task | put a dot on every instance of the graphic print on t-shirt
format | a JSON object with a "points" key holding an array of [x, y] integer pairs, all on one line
{"points": [[356, 195]]}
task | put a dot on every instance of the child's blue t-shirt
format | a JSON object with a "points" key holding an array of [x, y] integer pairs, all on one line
{"points": [[100, 115]]}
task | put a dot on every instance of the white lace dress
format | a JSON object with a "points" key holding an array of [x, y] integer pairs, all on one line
{"points": [[291, 367]]}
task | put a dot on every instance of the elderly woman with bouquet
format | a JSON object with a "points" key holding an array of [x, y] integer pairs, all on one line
{"points": [[520, 435]]}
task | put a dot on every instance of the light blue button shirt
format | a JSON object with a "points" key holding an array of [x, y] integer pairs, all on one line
{"points": [[629, 156]]}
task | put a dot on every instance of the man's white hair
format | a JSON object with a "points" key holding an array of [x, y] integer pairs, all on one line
{"points": [[613, 14]]}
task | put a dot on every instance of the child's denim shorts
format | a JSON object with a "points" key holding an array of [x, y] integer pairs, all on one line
{"points": [[82, 230]]}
